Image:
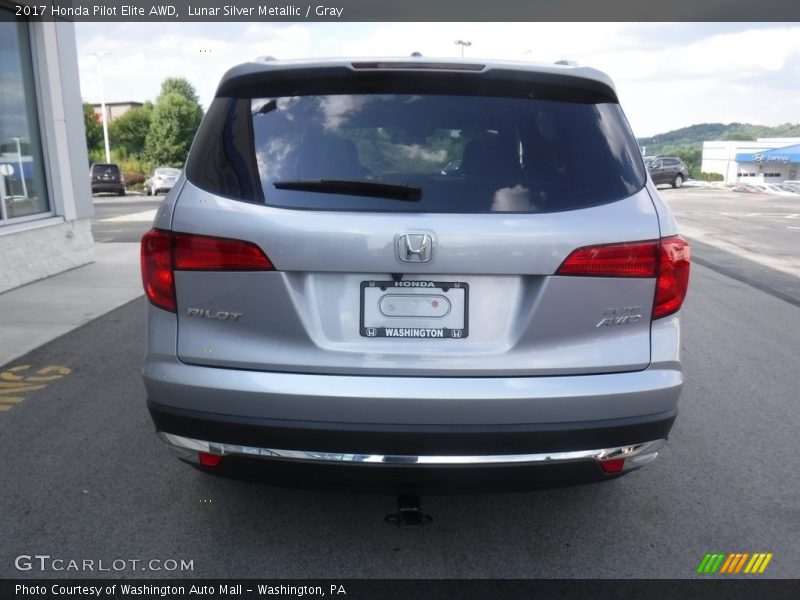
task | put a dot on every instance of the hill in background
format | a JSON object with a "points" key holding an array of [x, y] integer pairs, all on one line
{"points": [[687, 142]]}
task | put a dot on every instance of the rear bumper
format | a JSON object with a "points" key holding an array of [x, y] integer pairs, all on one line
{"points": [[411, 433], [409, 439], [402, 458], [107, 187], [415, 474]]}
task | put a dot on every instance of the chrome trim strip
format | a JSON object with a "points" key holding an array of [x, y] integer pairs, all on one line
{"points": [[640, 454]]}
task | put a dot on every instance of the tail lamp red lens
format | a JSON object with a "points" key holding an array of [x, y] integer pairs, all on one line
{"points": [[164, 252], [673, 276], [667, 260]]}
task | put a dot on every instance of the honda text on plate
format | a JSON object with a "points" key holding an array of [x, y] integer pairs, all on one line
{"points": [[331, 304]]}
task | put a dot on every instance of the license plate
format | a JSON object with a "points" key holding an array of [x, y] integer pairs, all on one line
{"points": [[415, 309]]}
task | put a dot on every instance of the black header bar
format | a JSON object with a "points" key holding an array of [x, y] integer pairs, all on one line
{"points": [[406, 10]]}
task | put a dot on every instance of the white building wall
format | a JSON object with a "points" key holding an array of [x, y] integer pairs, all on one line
{"points": [[46, 244], [720, 157]]}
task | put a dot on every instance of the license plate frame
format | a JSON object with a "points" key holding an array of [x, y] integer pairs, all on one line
{"points": [[450, 289]]}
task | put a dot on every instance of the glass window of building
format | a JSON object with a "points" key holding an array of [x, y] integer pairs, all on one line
{"points": [[22, 183]]}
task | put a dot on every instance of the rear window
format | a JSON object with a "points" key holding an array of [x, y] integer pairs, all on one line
{"points": [[460, 154], [105, 169]]}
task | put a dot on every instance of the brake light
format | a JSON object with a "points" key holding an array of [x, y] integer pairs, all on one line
{"points": [[164, 252], [666, 259]]}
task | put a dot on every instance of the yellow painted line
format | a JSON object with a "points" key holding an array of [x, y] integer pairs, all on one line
{"points": [[4, 385], [25, 387], [741, 561], [42, 374], [11, 400], [765, 563], [13, 383], [9, 374], [727, 563]]}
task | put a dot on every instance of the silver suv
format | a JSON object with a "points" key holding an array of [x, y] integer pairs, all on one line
{"points": [[329, 304]]}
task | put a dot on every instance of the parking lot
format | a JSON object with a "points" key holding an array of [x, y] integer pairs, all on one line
{"points": [[84, 476]]}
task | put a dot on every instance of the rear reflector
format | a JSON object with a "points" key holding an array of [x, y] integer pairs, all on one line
{"points": [[615, 465], [209, 460], [667, 260], [164, 252]]}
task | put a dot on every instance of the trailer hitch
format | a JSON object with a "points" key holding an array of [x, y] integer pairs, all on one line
{"points": [[408, 513]]}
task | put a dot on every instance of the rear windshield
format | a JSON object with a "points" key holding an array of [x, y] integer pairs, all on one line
{"points": [[457, 154], [105, 169], [168, 172]]}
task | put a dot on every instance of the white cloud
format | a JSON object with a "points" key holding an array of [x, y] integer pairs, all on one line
{"points": [[668, 75]]}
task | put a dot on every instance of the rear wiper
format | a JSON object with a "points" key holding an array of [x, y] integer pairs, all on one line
{"points": [[354, 187]]}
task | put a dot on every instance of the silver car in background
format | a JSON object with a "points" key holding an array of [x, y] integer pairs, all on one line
{"points": [[162, 180], [330, 305]]}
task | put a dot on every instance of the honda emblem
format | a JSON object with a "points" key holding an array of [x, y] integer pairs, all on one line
{"points": [[415, 247]]}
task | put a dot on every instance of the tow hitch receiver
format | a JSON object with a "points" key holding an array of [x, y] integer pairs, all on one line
{"points": [[408, 513]]}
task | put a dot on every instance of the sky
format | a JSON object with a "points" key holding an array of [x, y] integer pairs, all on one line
{"points": [[668, 75]]}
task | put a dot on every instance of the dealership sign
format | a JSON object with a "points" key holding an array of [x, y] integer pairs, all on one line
{"points": [[783, 156], [776, 158]]}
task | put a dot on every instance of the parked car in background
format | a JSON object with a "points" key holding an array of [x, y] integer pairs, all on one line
{"points": [[106, 178], [328, 305], [161, 180], [791, 186], [667, 169]]}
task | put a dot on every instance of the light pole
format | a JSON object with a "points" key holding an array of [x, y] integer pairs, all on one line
{"points": [[21, 170], [100, 56], [463, 44]]}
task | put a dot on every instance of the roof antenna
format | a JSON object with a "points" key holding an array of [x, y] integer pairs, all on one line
{"points": [[416, 54]]}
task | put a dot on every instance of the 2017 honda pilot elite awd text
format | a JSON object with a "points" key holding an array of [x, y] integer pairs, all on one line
{"points": [[330, 305]]}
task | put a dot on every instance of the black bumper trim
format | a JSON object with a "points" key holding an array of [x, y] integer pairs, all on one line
{"points": [[411, 439]]}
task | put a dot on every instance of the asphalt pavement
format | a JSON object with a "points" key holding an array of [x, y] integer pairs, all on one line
{"points": [[84, 476]]}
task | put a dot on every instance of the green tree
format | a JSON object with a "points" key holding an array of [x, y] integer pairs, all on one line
{"points": [[175, 118], [129, 132], [181, 86], [172, 127], [93, 127]]}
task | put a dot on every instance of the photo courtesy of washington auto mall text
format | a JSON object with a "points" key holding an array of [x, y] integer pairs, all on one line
{"points": [[117, 590]]}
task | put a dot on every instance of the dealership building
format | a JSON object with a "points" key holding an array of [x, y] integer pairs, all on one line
{"points": [[766, 160], [45, 199]]}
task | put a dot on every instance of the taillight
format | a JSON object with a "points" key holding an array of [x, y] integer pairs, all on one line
{"points": [[200, 253], [164, 252], [632, 259], [666, 259], [157, 275], [673, 276]]}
